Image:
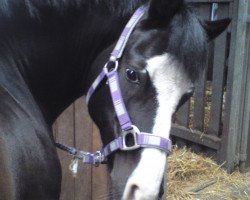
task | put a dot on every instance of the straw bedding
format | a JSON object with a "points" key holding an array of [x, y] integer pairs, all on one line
{"points": [[192, 176]]}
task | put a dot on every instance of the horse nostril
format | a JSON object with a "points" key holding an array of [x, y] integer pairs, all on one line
{"points": [[132, 192]]}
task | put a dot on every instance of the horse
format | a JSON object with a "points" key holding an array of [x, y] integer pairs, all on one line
{"points": [[50, 53]]}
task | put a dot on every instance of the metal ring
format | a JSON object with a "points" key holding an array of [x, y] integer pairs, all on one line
{"points": [[98, 158], [134, 131], [107, 70]]}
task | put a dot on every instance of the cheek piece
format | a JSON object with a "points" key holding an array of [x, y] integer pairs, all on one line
{"points": [[140, 139]]}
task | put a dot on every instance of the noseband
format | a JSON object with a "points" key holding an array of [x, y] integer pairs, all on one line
{"points": [[140, 139]]}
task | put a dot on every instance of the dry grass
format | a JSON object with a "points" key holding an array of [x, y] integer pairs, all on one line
{"points": [[192, 176]]}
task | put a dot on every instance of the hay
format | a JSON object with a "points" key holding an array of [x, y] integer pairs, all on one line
{"points": [[192, 176]]}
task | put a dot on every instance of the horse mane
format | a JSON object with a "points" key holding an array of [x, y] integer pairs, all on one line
{"points": [[33, 7]]}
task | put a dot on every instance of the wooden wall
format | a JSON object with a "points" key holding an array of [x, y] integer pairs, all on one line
{"points": [[75, 128]]}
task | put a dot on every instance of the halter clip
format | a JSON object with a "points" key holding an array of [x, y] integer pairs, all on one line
{"points": [[98, 158]]}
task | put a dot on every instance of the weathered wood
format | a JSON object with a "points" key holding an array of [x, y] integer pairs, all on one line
{"points": [[235, 92], [83, 128], [75, 128], [183, 115], [99, 174], [248, 18], [199, 103], [218, 78], [65, 135], [247, 164], [199, 96], [196, 137], [245, 141]]}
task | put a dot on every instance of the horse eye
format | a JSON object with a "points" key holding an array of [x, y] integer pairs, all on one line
{"points": [[132, 76]]}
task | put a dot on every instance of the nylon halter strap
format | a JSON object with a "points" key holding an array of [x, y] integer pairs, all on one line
{"points": [[140, 139], [110, 71]]}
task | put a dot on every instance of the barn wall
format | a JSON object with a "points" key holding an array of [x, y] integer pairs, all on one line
{"points": [[75, 128], [216, 120], [235, 134], [199, 124], [247, 101]]}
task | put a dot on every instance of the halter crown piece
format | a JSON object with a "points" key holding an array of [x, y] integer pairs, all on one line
{"points": [[141, 139]]}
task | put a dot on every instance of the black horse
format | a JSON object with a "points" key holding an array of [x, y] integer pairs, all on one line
{"points": [[47, 54]]}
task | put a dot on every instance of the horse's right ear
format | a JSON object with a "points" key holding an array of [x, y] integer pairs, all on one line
{"points": [[162, 11]]}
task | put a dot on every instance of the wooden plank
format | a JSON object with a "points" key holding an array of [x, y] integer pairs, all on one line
{"points": [[245, 141], [99, 174], [196, 137], [183, 115], [248, 18], [218, 77], [83, 141], [233, 112], [65, 135], [199, 103], [247, 101], [247, 165], [222, 153]]}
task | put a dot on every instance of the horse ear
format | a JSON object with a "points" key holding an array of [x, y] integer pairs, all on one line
{"points": [[162, 11], [215, 28]]}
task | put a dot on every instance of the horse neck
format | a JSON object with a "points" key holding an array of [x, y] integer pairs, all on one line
{"points": [[54, 53]]}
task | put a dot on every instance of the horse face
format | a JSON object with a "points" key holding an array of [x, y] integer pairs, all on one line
{"points": [[164, 56]]}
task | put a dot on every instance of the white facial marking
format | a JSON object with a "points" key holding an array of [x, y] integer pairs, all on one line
{"points": [[171, 83]]}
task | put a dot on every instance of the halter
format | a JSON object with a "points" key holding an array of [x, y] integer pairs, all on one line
{"points": [[140, 139]]}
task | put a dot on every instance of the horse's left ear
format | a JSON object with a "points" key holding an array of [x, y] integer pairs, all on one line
{"points": [[161, 12], [215, 28]]}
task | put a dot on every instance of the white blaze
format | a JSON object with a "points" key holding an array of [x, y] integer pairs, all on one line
{"points": [[171, 83]]}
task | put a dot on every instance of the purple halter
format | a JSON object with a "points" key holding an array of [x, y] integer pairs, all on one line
{"points": [[141, 139]]}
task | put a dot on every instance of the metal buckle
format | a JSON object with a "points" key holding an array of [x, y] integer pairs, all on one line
{"points": [[98, 158], [111, 65], [134, 131]]}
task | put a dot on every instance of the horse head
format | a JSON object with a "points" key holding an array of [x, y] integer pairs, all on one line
{"points": [[164, 56]]}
